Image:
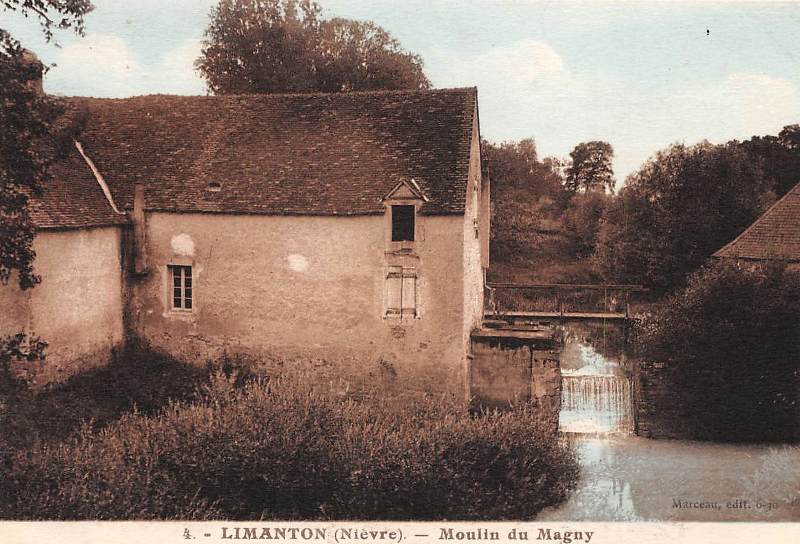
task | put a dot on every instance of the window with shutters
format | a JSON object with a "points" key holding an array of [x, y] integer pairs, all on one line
{"points": [[401, 290], [180, 287]]}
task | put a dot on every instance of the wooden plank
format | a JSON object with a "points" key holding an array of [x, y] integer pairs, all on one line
{"points": [[551, 315], [510, 333], [590, 286]]}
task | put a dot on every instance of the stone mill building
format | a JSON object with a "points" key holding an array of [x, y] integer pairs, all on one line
{"points": [[322, 225]]}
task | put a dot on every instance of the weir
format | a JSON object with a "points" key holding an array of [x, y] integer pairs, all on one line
{"points": [[562, 347], [595, 391], [595, 403]]}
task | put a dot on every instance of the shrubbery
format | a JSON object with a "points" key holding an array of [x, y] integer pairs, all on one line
{"points": [[137, 378], [731, 344], [282, 448]]}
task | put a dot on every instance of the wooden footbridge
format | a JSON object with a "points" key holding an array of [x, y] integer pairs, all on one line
{"points": [[524, 302]]}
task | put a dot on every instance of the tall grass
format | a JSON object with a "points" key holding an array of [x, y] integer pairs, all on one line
{"points": [[285, 449]]}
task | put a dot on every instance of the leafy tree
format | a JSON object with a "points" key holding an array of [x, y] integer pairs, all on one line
{"points": [[527, 200], [26, 119], [790, 137], [591, 168], [26, 125], [362, 56], [778, 156], [52, 14], [273, 46], [677, 210], [516, 165]]}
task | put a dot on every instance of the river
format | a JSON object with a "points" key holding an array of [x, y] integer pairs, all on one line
{"points": [[628, 478]]}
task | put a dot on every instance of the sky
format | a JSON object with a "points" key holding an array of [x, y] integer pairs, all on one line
{"points": [[640, 75]]}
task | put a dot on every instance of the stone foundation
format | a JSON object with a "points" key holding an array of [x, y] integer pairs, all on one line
{"points": [[507, 371]]}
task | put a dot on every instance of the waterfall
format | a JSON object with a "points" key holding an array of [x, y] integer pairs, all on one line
{"points": [[595, 403]]}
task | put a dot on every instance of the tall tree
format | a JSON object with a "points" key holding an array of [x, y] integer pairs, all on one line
{"points": [[778, 156], [362, 56], [26, 118], [26, 123], [273, 46], [591, 168], [516, 165], [677, 210], [789, 136]]}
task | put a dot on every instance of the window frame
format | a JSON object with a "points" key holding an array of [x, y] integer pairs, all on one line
{"points": [[182, 268]]}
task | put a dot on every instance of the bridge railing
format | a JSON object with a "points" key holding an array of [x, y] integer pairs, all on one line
{"points": [[561, 298]]}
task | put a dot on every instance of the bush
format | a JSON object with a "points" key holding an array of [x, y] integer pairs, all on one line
{"points": [[283, 449], [731, 344], [139, 378]]}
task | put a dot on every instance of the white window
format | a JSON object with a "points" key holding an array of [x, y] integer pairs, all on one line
{"points": [[401, 289], [180, 286]]}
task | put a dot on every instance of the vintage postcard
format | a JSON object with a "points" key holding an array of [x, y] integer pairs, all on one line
{"points": [[377, 271]]}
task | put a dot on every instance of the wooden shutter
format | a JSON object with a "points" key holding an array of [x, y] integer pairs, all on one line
{"points": [[409, 292], [394, 290]]}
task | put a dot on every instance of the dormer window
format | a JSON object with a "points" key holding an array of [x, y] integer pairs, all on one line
{"points": [[402, 204], [403, 218]]}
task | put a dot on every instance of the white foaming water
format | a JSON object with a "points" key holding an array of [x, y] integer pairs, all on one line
{"points": [[595, 398]]}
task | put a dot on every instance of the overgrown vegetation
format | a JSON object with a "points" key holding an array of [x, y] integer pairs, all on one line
{"points": [[284, 448], [731, 343], [544, 229], [137, 380]]}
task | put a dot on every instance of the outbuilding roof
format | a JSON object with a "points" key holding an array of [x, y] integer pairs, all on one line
{"points": [[291, 154], [73, 198], [774, 235]]}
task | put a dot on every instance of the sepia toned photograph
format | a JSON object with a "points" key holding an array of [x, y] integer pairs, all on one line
{"points": [[286, 262]]}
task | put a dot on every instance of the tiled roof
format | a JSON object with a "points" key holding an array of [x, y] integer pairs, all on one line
{"points": [[312, 154], [73, 198], [775, 235]]}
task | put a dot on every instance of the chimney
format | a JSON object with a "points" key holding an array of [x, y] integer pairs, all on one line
{"points": [[139, 231], [32, 64]]}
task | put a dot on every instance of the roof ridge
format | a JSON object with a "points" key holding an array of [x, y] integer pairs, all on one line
{"points": [[316, 94]]}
